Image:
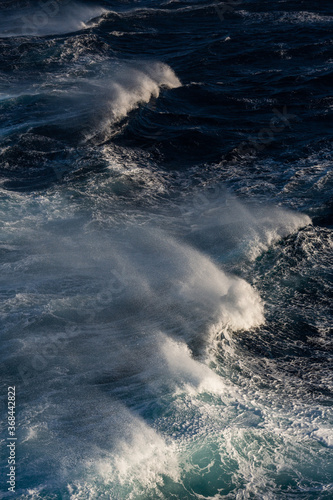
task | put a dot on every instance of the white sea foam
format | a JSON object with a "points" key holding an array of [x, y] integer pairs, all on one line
{"points": [[236, 229], [49, 18], [142, 456], [271, 226], [324, 435], [147, 306], [139, 459], [98, 101], [131, 85]]}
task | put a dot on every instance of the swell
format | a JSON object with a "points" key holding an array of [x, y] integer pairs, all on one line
{"points": [[49, 18], [74, 112], [168, 340]]}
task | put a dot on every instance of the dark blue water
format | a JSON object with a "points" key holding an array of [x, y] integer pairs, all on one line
{"points": [[166, 248]]}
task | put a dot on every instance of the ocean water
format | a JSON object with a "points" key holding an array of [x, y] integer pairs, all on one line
{"points": [[166, 248]]}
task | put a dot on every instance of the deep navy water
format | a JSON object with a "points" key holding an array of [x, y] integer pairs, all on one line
{"points": [[166, 248]]}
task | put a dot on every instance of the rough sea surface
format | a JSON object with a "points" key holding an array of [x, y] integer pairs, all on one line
{"points": [[166, 248]]}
